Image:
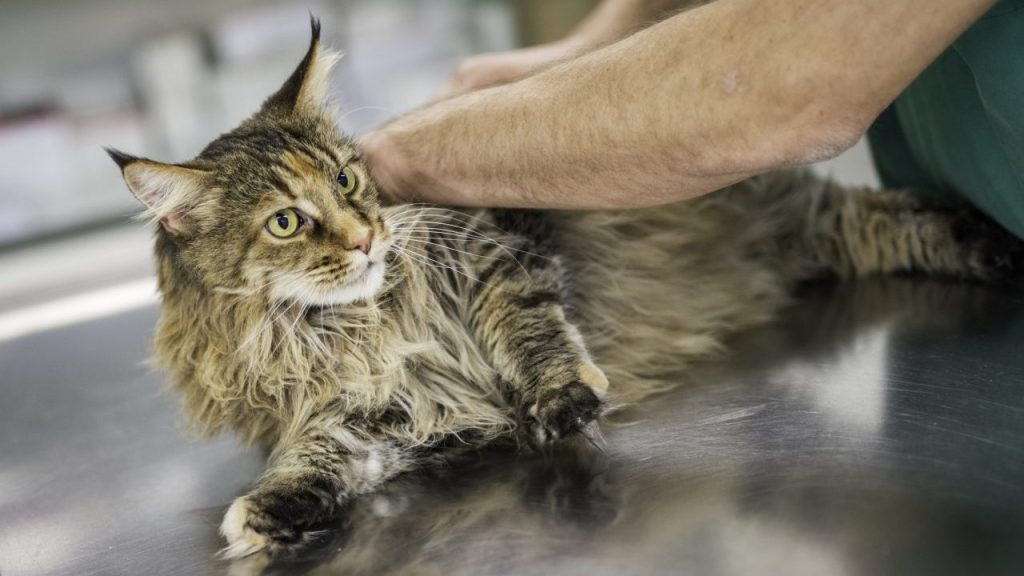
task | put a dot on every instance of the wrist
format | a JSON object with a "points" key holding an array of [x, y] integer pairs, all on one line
{"points": [[579, 42]]}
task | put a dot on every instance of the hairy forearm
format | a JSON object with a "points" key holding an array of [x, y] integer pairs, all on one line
{"points": [[682, 108], [616, 19]]}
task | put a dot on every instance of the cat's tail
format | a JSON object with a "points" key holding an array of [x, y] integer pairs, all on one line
{"points": [[859, 232]]}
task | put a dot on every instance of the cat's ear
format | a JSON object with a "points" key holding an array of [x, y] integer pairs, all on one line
{"points": [[305, 91], [169, 192]]}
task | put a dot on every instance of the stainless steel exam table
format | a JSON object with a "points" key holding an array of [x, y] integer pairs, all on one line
{"points": [[875, 428]]}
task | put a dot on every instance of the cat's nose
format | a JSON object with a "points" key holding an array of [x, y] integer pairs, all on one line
{"points": [[361, 241]]}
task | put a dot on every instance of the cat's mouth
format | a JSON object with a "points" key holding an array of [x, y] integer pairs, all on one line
{"points": [[361, 284], [355, 287]]}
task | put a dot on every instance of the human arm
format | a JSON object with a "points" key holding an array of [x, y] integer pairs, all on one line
{"points": [[609, 22], [698, 101]]}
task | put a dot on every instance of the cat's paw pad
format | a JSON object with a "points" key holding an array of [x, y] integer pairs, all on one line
{"points": [[272, 522], [564, 411]]}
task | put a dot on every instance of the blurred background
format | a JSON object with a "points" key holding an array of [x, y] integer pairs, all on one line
{"points": [[161, 79]]}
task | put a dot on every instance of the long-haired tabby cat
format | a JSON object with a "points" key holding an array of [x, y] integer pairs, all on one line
{"points": [[358, 341]]}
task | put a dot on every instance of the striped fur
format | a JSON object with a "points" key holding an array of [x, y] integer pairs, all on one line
{"points": [[459, 328]]}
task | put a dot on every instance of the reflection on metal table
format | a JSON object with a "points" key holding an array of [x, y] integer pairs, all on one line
{"points": [[876, 428]]}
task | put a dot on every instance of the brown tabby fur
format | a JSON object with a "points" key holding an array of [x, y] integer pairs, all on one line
{"points": [[460, 328]]}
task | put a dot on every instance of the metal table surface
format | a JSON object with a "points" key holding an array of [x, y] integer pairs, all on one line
{"points": [[876, 428]]}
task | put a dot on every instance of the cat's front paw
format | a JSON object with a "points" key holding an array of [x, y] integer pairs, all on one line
{"points": [[564, 410], [274, 521]]}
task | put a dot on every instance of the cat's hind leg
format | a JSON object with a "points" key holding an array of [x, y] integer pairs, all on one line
{"points": [[858, 233]]}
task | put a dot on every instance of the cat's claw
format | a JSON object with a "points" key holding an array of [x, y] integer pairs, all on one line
{"points": [[592, 432]]}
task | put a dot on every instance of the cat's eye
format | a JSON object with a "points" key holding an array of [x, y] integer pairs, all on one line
{"points": [[347, 180], [285, 223]]}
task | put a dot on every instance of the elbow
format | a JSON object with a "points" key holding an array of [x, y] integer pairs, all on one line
{"points": [[827, 132], [825, 143], [798, 136]]}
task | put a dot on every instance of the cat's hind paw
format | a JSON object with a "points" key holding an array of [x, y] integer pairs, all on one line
{"points": [[992, 253]]}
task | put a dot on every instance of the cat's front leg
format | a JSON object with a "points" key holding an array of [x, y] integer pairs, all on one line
{"points": [[520, 321], [303, 488]]}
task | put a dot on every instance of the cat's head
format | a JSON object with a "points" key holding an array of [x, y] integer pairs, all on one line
{"points": [[281, 203]]}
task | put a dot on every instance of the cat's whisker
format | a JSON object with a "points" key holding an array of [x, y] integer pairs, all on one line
{"points": [[477, 235], [267, 321], [259, 288], [394, 215], [300, 314], [503, 247], [461, 214], [242, 293], [423, 259], [457, 236], [452, 234], [348, 113], [313, 338], [449, 248], [456, 228], [420, 258], [279, 310], [427, 225], [447, 267]]}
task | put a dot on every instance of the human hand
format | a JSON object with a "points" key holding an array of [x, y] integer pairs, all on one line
{"points": [[496, 68], [386, 165], [391, 169]]}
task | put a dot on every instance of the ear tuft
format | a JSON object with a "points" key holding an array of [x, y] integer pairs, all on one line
{"points": [[120, 158], [314, 25], [305, 91]]}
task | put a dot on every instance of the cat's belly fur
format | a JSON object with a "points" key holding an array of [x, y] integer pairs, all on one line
{"points": [[659, 288]]}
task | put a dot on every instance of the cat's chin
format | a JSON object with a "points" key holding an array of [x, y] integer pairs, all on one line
{"points": [[363, 287]]}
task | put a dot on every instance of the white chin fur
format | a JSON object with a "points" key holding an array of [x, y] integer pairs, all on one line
{"points": [[361, 288]]}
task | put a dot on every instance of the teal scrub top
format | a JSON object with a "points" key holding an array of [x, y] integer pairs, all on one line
{"points": [[958, 129]]}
